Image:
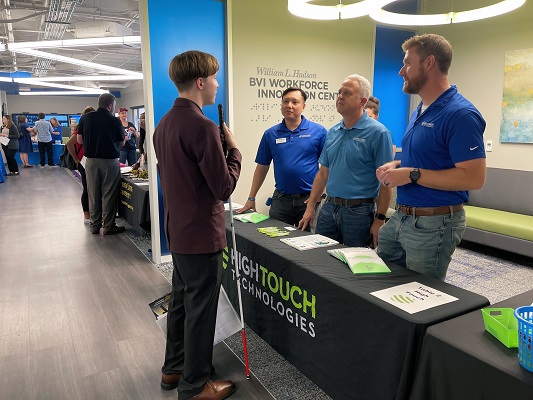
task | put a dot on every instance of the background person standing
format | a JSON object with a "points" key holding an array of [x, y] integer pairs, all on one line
{"points": [[101, 133], [128, 151], [76, 151], [44, 137], [9, 130], [25, 144]]}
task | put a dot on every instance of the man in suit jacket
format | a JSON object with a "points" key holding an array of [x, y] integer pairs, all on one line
{"points": [[196, 178]]}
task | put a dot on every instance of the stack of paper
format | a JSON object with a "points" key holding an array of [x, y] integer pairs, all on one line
{"points": [[309, 242], [361, 260], [273, 231], [253, 217]]}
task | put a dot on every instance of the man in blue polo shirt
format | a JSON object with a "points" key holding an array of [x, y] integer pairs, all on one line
{"points": [[294, 145], [354, 149], [443, 157]]}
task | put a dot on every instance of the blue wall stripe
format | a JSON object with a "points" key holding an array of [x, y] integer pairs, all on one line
{"points": [[177, 26]]}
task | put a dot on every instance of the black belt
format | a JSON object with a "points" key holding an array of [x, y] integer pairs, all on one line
{"points": [[281, 194], [428, 211], [338, 201]]}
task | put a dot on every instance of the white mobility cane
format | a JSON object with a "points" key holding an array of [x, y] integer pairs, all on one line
{"points": [[238, 275], [236, 258]]}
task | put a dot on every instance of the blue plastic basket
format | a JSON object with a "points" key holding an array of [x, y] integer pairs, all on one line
{"points": [[524, 316]]}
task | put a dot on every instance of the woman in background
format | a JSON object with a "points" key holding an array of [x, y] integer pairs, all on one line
{"points": [[372, 109], [128, 152], [9, 130], [76, 151], [25, 145]]}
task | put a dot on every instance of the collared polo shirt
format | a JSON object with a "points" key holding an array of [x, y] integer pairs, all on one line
{"points": [[295, 154], [352, 157], [449, 131]]}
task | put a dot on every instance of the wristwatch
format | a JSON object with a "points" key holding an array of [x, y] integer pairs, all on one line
{"points": [[414, 175], [381, 217]]}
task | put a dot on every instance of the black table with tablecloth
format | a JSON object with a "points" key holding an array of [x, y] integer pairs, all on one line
{"points": [[312, 310], [461, 360], [134, 203]]}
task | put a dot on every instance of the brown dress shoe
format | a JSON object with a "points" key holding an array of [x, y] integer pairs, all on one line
{"points": [[215, 390], [170, 381]]}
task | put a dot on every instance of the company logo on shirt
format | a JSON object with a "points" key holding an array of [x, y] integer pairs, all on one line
{"points": [[427, 124], [304, 136], [359, 139]]}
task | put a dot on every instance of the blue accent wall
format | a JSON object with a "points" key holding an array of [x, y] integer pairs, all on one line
{"points": [[177, 26], [394, 104]]}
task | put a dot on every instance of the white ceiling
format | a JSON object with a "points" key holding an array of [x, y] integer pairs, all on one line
{"points": [[31, 21]]}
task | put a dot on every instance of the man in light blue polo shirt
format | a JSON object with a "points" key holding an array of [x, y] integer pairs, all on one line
{"points": [[354, 149], [294, 145], [443, 157], [44, 140]]}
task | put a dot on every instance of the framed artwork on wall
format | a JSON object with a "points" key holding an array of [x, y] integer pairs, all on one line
{"points": [[517, 105]]}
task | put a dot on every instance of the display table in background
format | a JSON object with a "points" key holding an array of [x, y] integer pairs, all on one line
{"points": [[134, 203], [35, 159], [460, 360], [312, 310]]}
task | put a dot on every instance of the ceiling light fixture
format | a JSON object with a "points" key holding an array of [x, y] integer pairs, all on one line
{"points": [[38, 82], [64, 93], [105, 41], [301, 8], [75, 61], [385, 17], [78, 78]]}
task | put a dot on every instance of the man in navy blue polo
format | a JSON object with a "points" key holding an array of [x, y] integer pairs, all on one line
{"points": [[294, 145], [443, 157]]}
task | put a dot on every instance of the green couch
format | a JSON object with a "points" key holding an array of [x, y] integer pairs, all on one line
{"points": [[500, 215]]}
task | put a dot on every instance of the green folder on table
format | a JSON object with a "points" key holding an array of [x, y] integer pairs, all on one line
{"points": [[253, 217], [361, 260]]}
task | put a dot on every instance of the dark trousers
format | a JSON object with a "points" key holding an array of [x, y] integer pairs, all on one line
{"points": [[46, 146], [288, 208], [84, 194], [191, 319], [10, 158], [103, 180]]}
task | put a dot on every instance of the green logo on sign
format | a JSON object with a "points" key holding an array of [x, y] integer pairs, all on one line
{"points": [[402, 299]]}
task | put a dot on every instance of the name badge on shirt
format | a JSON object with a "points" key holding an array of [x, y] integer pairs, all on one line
{"points": [[281, 140]]}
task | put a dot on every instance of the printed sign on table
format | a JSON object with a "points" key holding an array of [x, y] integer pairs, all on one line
{"points": [[413, 297]]}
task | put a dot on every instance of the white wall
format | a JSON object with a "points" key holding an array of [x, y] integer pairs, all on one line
{"points": [[49, 104], [132, 96], [264, 34], [478, 69]]}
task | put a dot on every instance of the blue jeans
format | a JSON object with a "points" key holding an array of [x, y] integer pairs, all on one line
{"points": [[421, 244], [129, 155], [349, 225]]}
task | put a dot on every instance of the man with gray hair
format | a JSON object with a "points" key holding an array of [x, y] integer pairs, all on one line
{"points": [[354, 149], [101, 134]]}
